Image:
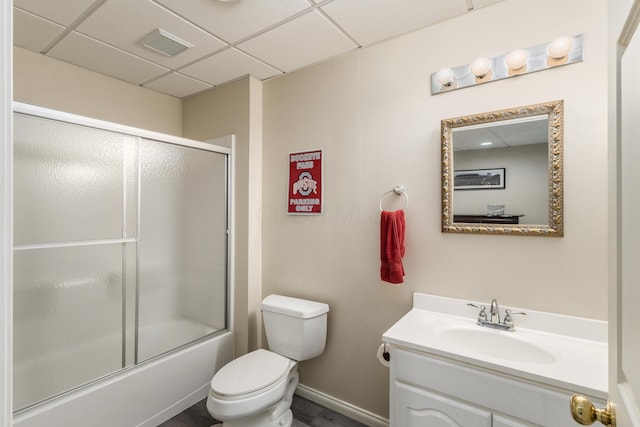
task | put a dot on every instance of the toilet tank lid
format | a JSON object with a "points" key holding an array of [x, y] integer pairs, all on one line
{"points": [[295, 307]]}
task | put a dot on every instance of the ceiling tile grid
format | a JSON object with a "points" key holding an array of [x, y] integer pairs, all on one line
{"points": [[298, 43], [32, 32], [261, 38], [136, 19], [62, 12], [370, 21], [178, 85], [94, 55], [222, 18], [227, 66]]}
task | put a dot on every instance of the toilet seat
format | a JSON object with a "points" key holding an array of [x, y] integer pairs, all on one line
{"points": [[251, 374]]}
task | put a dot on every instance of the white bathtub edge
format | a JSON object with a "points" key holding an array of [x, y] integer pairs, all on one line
{"points": [[139, 395], [178, 407]]}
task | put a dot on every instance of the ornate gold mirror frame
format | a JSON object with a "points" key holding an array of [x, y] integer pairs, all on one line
{"points": [[555, 227]]}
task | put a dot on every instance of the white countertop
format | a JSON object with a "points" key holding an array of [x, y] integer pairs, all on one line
{"points": [[578, 345]]}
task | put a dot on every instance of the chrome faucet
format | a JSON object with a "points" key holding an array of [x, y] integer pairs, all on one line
{"points": [[494, 311], [493, 319]]}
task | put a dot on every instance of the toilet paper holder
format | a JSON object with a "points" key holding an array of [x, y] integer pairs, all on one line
{"points": [[385, 353]]}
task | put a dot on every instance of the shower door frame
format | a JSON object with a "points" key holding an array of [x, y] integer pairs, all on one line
{"points": [[59, 116], [6, 216]]}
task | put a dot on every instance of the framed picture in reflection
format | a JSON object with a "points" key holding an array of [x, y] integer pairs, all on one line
{"points": [[479, 179]]}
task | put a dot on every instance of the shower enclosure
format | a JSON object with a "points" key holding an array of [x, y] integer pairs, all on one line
{"points": [[121, 249]]}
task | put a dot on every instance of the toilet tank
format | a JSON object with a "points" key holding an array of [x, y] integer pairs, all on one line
{"points": [[296, 328]]}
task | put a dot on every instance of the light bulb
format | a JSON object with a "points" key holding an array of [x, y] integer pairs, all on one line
{"points": [[560, 47], [517, 59], [480, 67], [445, 77]]}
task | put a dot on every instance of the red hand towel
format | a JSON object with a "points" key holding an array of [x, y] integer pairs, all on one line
{"points": [[392, 230]]}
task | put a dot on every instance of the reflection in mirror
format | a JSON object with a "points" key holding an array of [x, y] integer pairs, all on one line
{"points": [[502, 172]]}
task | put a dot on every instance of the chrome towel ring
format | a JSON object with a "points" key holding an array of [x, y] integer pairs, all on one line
{"points": [[400, 191]]}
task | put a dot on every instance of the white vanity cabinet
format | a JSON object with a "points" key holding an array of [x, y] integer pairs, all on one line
{"points": [[502, 421], [430, 390], [446, 370], [418, 407]]}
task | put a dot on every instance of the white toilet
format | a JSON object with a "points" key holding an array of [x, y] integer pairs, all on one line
{"points": [[256, 390]]}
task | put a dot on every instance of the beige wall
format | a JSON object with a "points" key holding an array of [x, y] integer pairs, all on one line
{"points": [[236, 109], [47, 82], [372, 113]]}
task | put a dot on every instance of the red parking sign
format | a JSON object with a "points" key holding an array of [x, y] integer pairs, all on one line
{"points": [[305, 183]]}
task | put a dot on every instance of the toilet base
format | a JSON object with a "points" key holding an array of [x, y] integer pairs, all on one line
{"points": [[261, 420], [279, 415]]}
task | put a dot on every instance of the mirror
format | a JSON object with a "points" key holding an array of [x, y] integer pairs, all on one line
{"points": [[502, 172]]}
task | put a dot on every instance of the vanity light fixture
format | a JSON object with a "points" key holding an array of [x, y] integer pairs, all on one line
{"points": [[517, 59], [445, 78], [481, 67], [487, 143], [559, 52], [560, 47]]}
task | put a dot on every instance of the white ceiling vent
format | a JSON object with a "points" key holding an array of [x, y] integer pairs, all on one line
{"points": [[165, 43]]}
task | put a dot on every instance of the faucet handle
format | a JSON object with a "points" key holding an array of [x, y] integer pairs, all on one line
{"points": [[482, 316], [508, 319]]}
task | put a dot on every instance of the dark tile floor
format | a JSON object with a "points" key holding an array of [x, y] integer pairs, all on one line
{"points": [[305, 414]]}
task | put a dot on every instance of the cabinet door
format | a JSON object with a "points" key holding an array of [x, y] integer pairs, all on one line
{"points": [[415, 407], [501, 421]]}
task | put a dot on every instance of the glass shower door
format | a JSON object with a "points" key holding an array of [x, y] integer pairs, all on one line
{"points": [[70, 258], [182, 246], [120, 251]]}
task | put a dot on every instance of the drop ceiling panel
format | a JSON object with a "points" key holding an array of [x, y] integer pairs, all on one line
{"points": [[477, 4], [135, 20], [32, 32], [221, 19], [177, 85], [262, 38], [511, 134], [61, 11], [94, 55], [229, 65], [306, 40], [370, 21]]}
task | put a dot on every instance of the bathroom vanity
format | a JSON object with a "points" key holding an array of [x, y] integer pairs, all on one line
{"points": [[446, 370]]}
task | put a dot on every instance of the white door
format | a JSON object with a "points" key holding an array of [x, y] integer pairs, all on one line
{"points": [[624, 287], [624, 371]]}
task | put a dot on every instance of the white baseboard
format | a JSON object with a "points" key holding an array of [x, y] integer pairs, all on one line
{"points": [[344, 408]]}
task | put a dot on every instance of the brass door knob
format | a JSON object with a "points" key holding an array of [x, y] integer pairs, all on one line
{"points": [[586, 414]]}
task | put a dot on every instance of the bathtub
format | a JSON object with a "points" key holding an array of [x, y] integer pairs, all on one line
{"points": [[144, 395]]}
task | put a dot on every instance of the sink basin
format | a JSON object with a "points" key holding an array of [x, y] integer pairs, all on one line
{"points": [[503, 345], [568, 352]]}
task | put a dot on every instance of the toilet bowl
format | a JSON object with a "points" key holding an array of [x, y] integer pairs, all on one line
{"points": [[256, 390], [250, 385]]}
